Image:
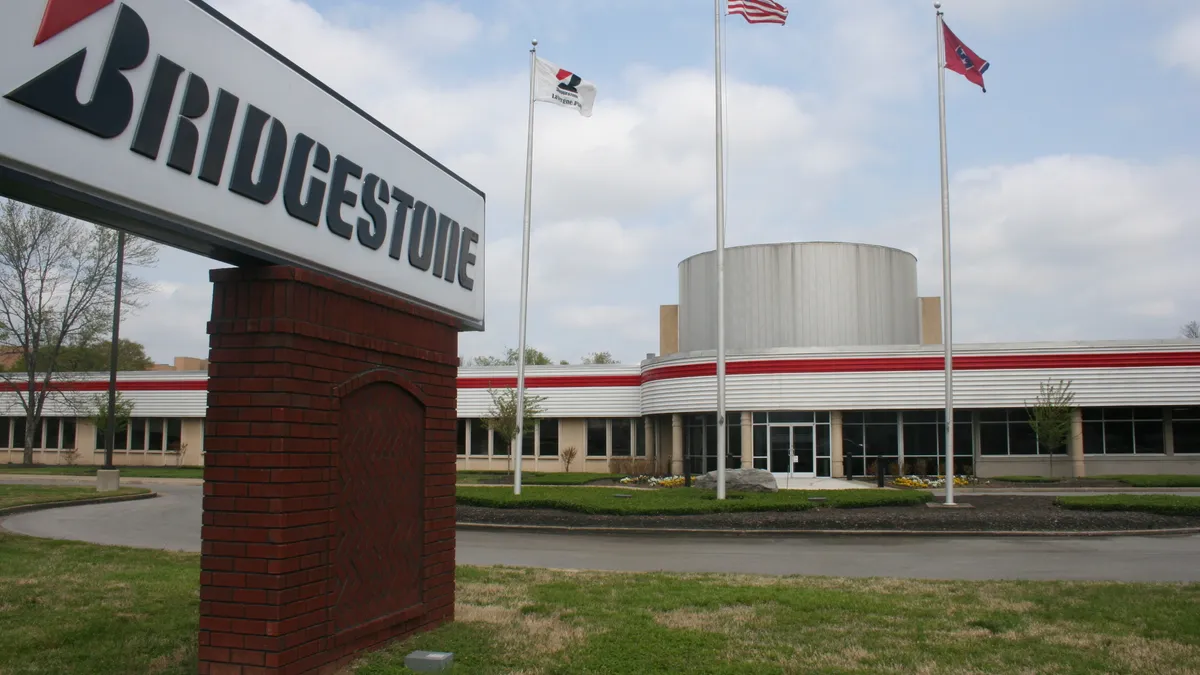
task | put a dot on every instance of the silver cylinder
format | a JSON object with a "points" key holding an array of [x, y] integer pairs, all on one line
{"points": [[805, 294]]}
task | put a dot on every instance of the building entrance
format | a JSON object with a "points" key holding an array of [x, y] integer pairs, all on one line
{"points": [[792, 451]]}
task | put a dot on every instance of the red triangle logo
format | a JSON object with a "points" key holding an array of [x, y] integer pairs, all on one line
{"points": [[62, 14]]}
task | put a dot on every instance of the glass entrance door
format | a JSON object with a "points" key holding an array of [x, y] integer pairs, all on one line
{"points": [[792, 450]]}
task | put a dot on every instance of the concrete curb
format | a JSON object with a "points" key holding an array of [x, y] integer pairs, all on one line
{"points": [[91, 480], [564, 529], [41, 506]]}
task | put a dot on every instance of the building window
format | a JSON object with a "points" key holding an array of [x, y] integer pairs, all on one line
{"points": [[1122, 431], [548, 438], [1186, 423], [597, 437], [622, 437], [870, 437], [700, 442], [639, 448], [460, 438], [54, 433], [1007, 432], [479, 438]]}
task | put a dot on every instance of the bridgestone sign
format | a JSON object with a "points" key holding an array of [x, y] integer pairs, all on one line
{"points": [[164, 118]]}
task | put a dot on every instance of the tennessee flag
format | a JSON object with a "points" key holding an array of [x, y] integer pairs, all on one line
{"points": [[961, 59]]}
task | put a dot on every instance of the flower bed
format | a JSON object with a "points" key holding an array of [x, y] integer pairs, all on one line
{"points": [[936, 482], [654, 481]]}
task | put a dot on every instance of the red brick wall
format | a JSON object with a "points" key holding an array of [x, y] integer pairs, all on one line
{"points": [[329, 439]]}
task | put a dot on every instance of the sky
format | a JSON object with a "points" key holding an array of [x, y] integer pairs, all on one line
{"points": [[1075, 208]]}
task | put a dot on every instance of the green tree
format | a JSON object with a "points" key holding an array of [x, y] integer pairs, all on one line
{"points": [[598, 358], [1050, 416], [502, 416], [95, 357], [533, 357], [57, 279], [99, 414]]}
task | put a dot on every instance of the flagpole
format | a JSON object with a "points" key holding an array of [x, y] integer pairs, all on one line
{"points": [[721, 433], [947, 308], [520, 411]]}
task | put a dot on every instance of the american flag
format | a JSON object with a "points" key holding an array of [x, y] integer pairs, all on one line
{"points": [[759, 11]]}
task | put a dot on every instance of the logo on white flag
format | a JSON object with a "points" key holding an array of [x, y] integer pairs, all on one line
{"points": [[556, 85]]}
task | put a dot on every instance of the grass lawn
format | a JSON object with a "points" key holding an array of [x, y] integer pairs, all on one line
{"points": [[538, 477], [1162, 480], [20, 495], [540, 621], [1171, 505], [68, 608], [677, 501], [1027, 479], [126, 471]]}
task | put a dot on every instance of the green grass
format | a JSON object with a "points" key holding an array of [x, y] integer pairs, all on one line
{"points": [[1027, 479], [70, 608], [67, 607], [1161, 480], [678, 501], [20, 495], [543, 621], [126, 471], [1171, 505], [538, 477]]}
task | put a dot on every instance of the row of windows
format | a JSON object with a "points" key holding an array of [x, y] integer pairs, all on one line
{"points": [[618, 437], [54, 433], [58, 433], [870, 435]]}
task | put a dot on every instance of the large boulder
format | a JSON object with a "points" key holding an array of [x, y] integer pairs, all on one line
{"points": [[740, 480]]}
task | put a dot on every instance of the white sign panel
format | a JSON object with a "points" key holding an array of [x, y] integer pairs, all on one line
{"points": [[164, 118]]}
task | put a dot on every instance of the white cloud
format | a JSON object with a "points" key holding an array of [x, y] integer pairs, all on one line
{"points": [[1068, 247], [173, 322], [1181, 46], [632, 322]]}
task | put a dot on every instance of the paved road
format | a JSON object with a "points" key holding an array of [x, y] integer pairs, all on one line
{"points": [[172, 521]]}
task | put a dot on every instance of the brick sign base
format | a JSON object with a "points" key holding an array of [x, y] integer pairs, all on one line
{"points": [[329, 473]]}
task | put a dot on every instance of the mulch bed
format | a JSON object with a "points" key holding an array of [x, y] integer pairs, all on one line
{"points": [[991, 513]]}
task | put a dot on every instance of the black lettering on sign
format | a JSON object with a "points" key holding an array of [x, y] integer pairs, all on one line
{"points": [[466, 257], [219, 131], [371, 234], [110, 109], [242, 181], [156, 108], [338, 195], [451, 253], [307, 210], [445, 225], [404, 202], [420, 239], [187, 137]]}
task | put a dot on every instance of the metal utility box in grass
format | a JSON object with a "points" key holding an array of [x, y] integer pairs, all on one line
{"points": [[329, 448]]}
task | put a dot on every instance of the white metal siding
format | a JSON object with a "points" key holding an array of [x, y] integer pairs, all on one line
{"points": [[563, 402], [801, 295], [922, 390]]}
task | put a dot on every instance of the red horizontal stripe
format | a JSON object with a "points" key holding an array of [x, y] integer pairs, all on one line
{"points": [[924, 363], [548, 381], [102, 385]]}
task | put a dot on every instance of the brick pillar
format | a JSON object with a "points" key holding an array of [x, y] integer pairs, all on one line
{"points": [[329, 475]]}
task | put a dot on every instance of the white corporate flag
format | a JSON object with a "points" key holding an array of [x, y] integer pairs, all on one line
{"points": [[555, 85]]}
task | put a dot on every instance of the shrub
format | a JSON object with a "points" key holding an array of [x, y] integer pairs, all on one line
{"points": [[567, 456], [1169, 505]]}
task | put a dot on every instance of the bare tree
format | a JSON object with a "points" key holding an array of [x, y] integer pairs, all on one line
{"points": [[56, 289], [1191, 330], [1050, 416]]}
